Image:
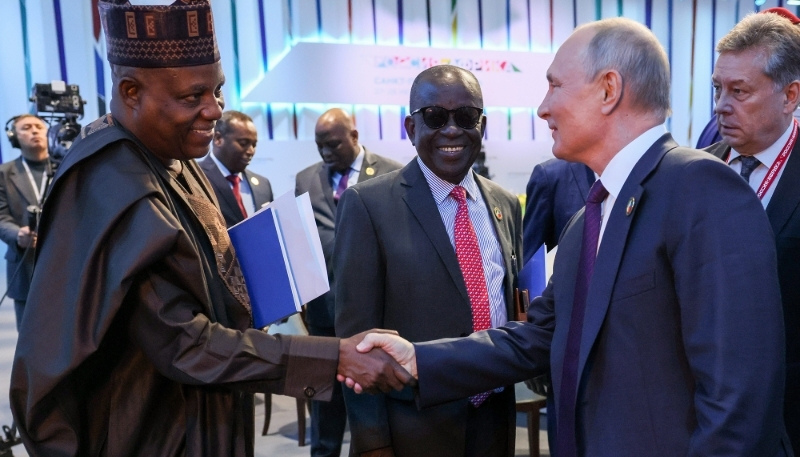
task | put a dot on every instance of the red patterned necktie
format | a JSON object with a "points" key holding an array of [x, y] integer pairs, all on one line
{"points": [[468, 252], [234, 179]]}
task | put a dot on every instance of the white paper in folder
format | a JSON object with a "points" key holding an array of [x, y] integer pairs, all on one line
{"points": [[304, 249]]}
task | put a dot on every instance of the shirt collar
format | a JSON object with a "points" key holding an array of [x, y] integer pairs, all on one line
{"points": [[222, 168], [621, 165], [441, 189], [768, 156]]}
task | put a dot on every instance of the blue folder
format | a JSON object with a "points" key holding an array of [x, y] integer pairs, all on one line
{"points": [[533, 275], [262, 257]]}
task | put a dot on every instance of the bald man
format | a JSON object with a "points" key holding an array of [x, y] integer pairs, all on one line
{"points": [[345, 162], [430, 251]]}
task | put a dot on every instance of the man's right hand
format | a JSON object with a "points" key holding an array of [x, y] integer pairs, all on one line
{"points": [[372, 369], [26, 238], [401, 351]]}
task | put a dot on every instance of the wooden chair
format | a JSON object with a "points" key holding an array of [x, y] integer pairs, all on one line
{"points": [[302, 406], [530, 404]]}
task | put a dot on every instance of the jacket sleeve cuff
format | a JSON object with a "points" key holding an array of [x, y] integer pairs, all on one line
{"points": [[311, 368]]}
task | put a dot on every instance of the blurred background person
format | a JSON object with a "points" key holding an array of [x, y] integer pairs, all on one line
{"points": [[22, 183], [240, 192], [345, 162]]}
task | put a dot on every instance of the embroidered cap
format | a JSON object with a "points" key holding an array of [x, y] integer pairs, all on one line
{"points": [[178, 35]]}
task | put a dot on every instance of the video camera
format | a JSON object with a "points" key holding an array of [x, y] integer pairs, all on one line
{"points": [[61, 104]]}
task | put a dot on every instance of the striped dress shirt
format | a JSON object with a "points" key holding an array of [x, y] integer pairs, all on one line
{"points": [[491, 255]]}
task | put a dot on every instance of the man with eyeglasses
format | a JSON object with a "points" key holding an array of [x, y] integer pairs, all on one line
{"points": [[430, 251]]}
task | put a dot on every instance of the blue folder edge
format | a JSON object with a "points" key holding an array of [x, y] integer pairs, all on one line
{"points": [[533, 275]]}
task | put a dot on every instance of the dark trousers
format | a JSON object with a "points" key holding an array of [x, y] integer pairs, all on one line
{"points": [[19, 308], [489, 432], [328, 419]]}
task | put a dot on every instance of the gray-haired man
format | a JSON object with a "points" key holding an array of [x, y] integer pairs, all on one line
{"points": [[757, 89]]}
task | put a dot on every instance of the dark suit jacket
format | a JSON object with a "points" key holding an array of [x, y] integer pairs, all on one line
{"points": [[556, 191], [397, 269], [680, 355], [261, 190], [15, 196], [316, 180], [783, 212]]}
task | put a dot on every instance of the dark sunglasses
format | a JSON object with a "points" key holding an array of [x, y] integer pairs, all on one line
{"points": [[436, 117]]}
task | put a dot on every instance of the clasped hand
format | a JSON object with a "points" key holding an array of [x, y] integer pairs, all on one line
{"points": [[377, 360]]}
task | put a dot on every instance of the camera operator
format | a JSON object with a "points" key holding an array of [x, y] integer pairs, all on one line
{"points": [[22, 183]]}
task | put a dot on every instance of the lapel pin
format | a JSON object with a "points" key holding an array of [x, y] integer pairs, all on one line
{"points": [[370, 171], [254, 180], [631, 205], [498, 214]]}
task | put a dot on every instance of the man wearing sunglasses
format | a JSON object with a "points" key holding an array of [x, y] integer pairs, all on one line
{"points": [[430, 251]]}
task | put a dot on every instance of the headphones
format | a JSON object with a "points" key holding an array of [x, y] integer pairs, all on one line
{"points": [[11, 134]]}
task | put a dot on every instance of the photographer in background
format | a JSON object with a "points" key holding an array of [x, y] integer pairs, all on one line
{"points": [[22, 183]]}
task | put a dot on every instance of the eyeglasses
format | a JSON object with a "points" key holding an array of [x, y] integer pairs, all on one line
{"points": [[435, 117]]}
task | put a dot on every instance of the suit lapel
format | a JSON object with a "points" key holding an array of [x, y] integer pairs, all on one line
{"points": [[613, 244], [369, 162], [420, 201], [786, 197], [501, 228], [581, 178], [215, 177], [258, 191], [21, 181]]}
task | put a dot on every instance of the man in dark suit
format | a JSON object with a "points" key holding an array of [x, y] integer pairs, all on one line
{"points": [[416, 253], [655, 344], [344, 163], [240, 192], [556, 190], [22, 183], [759, 142]]}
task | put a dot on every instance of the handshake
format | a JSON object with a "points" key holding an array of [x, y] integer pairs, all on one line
{"points": [[377, 360]]}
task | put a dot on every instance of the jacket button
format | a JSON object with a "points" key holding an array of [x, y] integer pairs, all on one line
{"points": [[464, 334], [309, 392]]}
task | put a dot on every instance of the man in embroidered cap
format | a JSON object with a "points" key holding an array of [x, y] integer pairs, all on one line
{"points": [[137, 339]]}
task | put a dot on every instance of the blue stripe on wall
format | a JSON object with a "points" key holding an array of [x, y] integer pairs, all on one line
{"points": [[62, 61], [23, 12], [263, 26]]}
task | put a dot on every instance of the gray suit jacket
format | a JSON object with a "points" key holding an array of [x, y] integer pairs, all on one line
{"points": [[316, 180], [259, 185], [15, 196], [397, 269], [679, 354]]}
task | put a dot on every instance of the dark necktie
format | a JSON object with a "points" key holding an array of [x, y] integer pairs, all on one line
{"points": [[749, 163], [468, 252], [342, 186], [237, 194], [566, 439]]}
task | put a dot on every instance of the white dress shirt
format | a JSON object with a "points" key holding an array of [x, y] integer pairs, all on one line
{"points": [[620, 167], [767, 158], [491, 255], [244, 186], [353, 172]]}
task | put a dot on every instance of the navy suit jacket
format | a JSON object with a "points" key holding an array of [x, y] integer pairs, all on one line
{"points": [[678, 356], [783, 212], [316, 180], [556, 190], [397, 269], [259, 186]]}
